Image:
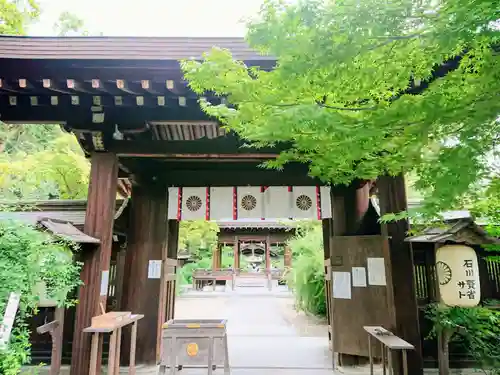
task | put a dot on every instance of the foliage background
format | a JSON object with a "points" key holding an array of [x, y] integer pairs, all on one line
{"points": [[27, 257], [36, 162], [307, 276], [364, 89]]}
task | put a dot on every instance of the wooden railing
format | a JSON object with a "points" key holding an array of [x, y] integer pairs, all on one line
{"points": [[388, 342], [202, 277]]}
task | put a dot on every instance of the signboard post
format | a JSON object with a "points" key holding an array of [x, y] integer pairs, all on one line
{"points": [[8, 319]]}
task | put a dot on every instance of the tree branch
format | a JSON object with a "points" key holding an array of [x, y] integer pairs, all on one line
{"points": [[320, 104]]}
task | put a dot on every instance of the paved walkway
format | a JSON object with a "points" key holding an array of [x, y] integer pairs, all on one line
{"points": [[266, 336], [261, 334]]}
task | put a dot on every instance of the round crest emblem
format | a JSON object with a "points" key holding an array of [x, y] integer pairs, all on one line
{"points": [[192, 349], [443, 273], [248, 202], [193, 203], [303, 202]]}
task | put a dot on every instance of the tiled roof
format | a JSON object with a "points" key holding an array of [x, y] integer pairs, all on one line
{"points": [[121, 48]]}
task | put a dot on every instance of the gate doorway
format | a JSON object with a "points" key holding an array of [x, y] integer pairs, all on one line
{"points": [[142, 127]]}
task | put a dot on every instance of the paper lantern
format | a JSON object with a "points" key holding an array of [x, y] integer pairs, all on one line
{"points": [[458, 275]]}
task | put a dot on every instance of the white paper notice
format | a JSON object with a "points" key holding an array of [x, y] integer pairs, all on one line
{"points": [[154, 269], [359, 277], [104, 283], [341, 285], [376, 271]]}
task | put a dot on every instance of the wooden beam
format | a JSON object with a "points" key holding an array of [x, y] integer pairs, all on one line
{"points": [[78, 115], [228, 237], [146, 244], [204, 147], [392, 196], [95, 272], [240, 174]]}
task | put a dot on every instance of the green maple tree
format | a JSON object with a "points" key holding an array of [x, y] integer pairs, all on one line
{"points": [[198, 237], [39, 161], [57, 169], [366, 88]]}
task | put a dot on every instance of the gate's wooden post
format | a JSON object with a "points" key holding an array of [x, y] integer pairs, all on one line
{"points": [[392, 196], [99, 219], [236, 252], [215, 254], [287, 256], [327, 233], [171, 275], [146, 263], [219, 254]]}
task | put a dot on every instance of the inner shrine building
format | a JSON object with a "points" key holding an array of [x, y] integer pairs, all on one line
{"points": [[141, 126]]}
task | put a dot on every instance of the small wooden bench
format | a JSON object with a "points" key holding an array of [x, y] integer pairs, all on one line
{"points": [[114, 327], [388, 342]]}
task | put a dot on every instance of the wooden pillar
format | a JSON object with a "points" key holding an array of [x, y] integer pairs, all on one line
{"points": [[171, 274], [215, 262], [120, 277], [219, 255], [236, 253], [327, 233], [287, 257], [268, 253], [99, 219], [146, 262], [392, 196]]}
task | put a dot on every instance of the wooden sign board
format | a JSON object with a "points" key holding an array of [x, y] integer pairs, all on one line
{"points": [[8, 319], [110, 318]]}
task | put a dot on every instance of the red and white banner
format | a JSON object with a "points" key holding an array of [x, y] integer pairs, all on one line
{"points": [[173, 203], [194, 203], [305, 202], [326, 202], [277, 202], [249, 202], [221, 203]]}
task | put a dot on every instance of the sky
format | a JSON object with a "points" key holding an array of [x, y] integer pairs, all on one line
{"points": [[191, 18]]}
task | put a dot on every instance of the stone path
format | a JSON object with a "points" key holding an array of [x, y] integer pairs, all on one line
{"points": [[260, 333], [266, 336]]}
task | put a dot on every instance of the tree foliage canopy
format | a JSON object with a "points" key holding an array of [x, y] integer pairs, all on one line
{"points": [[56, 170], [198, 237], [366, 88], [39, 161], [16, 15]]}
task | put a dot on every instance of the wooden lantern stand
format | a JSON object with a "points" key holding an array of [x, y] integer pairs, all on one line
{"points": [[112, 323]]}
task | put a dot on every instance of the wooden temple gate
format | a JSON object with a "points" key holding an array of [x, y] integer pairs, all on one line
{"points": [[136, 119]]}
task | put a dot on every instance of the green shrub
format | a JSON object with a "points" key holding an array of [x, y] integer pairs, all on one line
{"points": [[27, 258], [475, 328], [186, 271], [307, 277]]}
